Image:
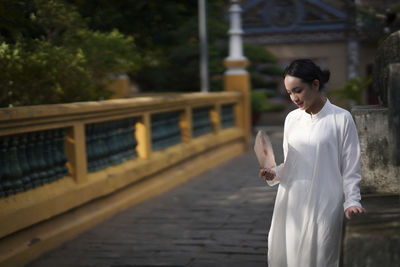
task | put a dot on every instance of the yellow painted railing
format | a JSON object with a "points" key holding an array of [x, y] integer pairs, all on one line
{"points": [[202, 127]]}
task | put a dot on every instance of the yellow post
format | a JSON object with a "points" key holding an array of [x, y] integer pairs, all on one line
{"points": [[185, 123], [236, 77], [143, 136], [215, 115], [75, 148], [240, 82], [120, 87]]}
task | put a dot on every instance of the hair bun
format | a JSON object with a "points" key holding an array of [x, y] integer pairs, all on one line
{"points": [[325, 75], [307, 71]]}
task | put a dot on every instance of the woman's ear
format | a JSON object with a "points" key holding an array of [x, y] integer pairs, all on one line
{"points": [[315, 84]]}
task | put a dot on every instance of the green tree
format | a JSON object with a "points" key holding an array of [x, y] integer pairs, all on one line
{"points": [[351, 93], [167, 32], [70, 49], [52, 56], [264, 69]]}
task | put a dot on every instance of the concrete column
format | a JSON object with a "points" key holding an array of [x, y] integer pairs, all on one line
{"points": [[75, 148], [236, 77], [215, 115], [143, 136], [186, 124], [203, 46], [353, 58]]}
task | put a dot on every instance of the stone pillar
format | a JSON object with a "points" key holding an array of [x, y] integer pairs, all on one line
{"points": [[353, 59], [236, 78], [393, 88], [386, 83], [352, 43], [373, 239], [378, 171]]}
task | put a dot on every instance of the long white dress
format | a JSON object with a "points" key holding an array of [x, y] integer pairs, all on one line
{"points": [[318, 179]]}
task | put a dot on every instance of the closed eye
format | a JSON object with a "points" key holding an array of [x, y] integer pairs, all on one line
{"points": [[295, 91]]}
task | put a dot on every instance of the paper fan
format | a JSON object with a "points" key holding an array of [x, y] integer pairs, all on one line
{"points": [[264, 151]]}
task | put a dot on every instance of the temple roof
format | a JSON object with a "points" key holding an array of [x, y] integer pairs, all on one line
{"points": [[276, 21]]}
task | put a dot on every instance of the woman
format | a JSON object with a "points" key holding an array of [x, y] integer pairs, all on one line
{"points": [[319, 176]]}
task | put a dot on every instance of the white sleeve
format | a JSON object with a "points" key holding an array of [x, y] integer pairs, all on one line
{"points": [[278, 169], [278, 172], [350, 165]]}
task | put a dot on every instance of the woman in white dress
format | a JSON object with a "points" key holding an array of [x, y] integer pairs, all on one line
{"points": [[319, 177]]}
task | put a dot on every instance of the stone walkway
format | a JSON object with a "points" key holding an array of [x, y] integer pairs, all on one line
{"points": [[219, 218]]}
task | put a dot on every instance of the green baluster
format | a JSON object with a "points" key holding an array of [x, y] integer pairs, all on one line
{"points": [[62, 157], [5, 167], [109, 141], [97, 147], [40, 150], [113, 143], [131, 138], [23, 160], [48, 156], [33, 160], [106, 137], [56, 154], [119, 142], [89, 146], [227, 116], [15, 169], [59, 154], [125, 140], [102, 146], [2, 167]]}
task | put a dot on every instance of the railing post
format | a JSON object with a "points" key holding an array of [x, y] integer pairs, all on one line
{"points": [[143, 136], [215, 114], [236, 78], [186, 125], [75, 148]]}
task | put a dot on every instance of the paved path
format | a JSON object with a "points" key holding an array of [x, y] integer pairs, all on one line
{"points": [[219, 218]]}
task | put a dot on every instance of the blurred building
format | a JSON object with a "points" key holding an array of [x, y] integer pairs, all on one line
{"points": [[339, 35]]}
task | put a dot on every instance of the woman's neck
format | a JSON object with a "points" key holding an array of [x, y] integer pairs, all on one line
{"points": [[317, 106]]}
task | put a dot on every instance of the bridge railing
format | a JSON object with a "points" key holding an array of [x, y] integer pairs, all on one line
{"points": [[54, 158]]}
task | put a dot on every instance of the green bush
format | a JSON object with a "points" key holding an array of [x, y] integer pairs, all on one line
{"points": [[351, 92], [259, 102], [263, 69], [258, 54], [39, 72]]}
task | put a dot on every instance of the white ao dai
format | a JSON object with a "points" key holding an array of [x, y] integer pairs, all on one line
{"points": [[317, 181]]}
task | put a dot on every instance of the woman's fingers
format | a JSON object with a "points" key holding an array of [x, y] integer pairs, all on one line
{"points": [[360, 210], [347, 213], [267, 174], [353, 209]]}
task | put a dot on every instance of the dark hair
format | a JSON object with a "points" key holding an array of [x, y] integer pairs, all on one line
{"points": [[307, 71]]}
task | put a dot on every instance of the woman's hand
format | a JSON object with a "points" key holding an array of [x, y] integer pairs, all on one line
{"points": [[267, 174], [353, 209]]}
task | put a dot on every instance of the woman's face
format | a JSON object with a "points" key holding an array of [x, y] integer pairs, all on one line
{"points": [[302, 94]]}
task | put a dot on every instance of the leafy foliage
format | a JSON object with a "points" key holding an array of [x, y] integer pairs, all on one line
{"points": [[264, 69], [259, 102], [54, 57], [351, 92], [54, 51], [376, 21], [42, 73]]}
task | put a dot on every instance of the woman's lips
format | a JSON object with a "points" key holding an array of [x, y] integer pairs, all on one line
{"points": [[299, 104]]}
